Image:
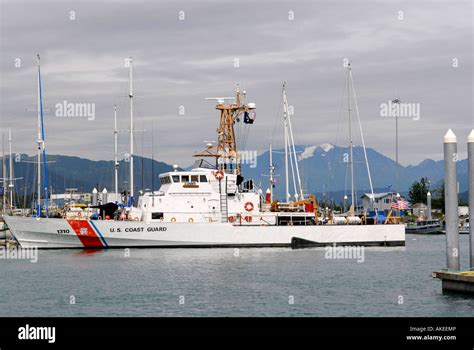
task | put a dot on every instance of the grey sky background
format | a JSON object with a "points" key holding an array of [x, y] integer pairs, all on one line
{"points": [[180, 62]]}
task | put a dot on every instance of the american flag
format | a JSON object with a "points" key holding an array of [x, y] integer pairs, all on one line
{"points": [[400, 204]]}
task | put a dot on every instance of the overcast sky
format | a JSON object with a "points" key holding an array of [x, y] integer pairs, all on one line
{"points": [[179, 62]]}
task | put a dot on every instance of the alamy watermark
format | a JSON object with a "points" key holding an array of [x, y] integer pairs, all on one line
{"points": [[243, 157], [19, 253], [350, 252], [75, 110], [395, 108], [37, 333]]}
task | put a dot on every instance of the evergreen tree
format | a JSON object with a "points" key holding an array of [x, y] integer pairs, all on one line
{"points": [[418, 191]]}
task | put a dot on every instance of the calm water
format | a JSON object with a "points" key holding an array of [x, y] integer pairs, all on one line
{"points": [[214, 282]]}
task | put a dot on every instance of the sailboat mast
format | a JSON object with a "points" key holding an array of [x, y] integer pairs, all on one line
{"points": [[131, 129], [271, 174], [116, 163], [4, 178], [41, 147], [40, 142], [285, 119], [11, 183], [351, 154], [152, 165]]}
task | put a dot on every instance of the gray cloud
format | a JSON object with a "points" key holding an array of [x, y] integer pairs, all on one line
{"points": [[179, 63]]}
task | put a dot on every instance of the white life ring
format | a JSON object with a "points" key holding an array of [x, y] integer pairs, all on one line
{"points": [[248, 206], [219, 174]]}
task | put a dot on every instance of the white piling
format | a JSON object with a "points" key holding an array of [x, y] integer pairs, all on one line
{"points": [[470, 152], [428, 204], [94, 196], [104, 196], [451, 201]]}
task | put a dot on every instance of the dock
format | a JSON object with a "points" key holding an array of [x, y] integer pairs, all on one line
{"points": [[452, 278], [456, 282]]}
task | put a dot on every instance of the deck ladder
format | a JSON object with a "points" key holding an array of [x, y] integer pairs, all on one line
{"points": [[223, 201]]}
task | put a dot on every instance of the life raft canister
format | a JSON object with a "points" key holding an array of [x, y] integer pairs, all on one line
{"points": [[248, 206], [219, 174]]}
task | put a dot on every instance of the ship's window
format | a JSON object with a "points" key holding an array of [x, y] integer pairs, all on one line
{"points": [[202, 178], [156, 216], [165, 180], [194, 178], [184, 178], [175, 178]]}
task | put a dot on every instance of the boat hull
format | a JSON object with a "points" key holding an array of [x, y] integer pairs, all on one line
{"points": [[425, 230], [62, 233]]}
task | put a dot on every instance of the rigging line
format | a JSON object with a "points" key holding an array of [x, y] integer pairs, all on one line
{"points": [[345, 180], [294, 154], [35, 179], [292, 168], [339, 126], [26, 185], [45, 173], [295, 157], [362, 136]]}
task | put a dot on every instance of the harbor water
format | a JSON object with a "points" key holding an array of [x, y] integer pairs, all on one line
{"points": [[233, 282]]}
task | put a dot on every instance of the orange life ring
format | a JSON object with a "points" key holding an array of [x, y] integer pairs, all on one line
{"points": [[231, 219], [248, 218], [248, 206], [173, 219], [219, 174], [190, 220]]}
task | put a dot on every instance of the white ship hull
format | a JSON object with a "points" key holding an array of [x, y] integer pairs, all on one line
{"points": [[62, 233]]}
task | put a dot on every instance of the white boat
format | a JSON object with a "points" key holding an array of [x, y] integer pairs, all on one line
{"points": [[211, 205], [61, 233], [424, 227]]}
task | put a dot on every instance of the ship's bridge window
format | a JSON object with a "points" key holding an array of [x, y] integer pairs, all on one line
{"points": [[175, 178], [165, 180], [184, 178], [202, 178]]}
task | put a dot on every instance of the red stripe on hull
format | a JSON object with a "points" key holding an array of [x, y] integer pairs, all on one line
{"points": [[86, 233]]}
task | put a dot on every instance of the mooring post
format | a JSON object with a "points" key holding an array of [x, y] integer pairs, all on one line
{"points": [[470, 157], [428, 204], [95, 195], [451, 201]]}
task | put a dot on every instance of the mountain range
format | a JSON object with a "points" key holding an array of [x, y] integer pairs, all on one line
{"points": [[324, 169]]}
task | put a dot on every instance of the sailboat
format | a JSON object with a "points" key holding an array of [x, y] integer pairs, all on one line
{"points": [[211, 205], [351, 214]]}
